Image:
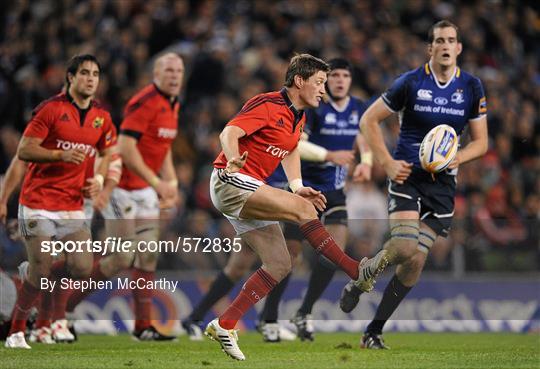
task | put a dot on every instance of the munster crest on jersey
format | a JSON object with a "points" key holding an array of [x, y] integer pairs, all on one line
{"points": [[98, 122]]}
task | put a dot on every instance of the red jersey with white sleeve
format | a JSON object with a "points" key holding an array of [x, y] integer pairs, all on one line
{"points": [[273, 128], [152, 119], [57, 186]]}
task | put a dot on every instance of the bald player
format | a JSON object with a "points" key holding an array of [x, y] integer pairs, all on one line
{"points": [[148, 180]]}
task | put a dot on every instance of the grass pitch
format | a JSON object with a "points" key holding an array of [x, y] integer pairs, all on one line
{"points": [[336, 350]]}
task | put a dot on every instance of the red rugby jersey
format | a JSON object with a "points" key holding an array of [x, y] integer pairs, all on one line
{"points": [[152, 119], [273, 127], [57, 186]]}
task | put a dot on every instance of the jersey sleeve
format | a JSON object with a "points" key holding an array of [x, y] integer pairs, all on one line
{"points": [[41, 122], [251, 118], [396, 96], [479, 103], [108, 136], [137, 117]]}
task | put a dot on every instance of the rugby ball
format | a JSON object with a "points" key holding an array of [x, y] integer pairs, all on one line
{"points": [[438, 148]]}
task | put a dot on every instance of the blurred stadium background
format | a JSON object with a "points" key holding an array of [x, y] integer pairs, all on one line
{"points": [[236, 49]]}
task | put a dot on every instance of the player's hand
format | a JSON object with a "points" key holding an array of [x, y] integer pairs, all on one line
{"points": [[235, 164], [313, 196], [166, 190], [3, 213], [92, 188], [398, 170], [74, 156], [340, 157], [102, 199], [362, 173], [456, 162], [170, 202]]}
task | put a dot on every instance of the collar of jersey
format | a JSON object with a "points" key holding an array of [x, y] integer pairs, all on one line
{"points": [[297, 113], [336, 107], [167, 97], [72, 101], [442, 87]]}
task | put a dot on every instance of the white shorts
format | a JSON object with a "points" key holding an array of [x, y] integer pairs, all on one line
{"points": [[45, 223], [229, 193], [135, 204]]}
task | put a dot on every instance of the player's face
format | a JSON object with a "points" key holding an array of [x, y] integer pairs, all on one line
{"points": [[445, 47], [169, 74], [85, 82], [339, 83], [313, 90]]}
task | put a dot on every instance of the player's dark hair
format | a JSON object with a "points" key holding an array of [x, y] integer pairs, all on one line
{"points": [[75, 62], [340, 63], [305, 66], [442, 24]]}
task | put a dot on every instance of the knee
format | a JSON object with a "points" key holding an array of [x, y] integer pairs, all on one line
{"points": [[39, 269], [304, 210], [236, 273], [81, 269], [123, 260], [416, 262], [401, 249]]}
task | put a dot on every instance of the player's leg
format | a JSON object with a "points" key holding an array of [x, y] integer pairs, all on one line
{"points": [[269, 203], [74, 265], [320, 278], [402, 245], [110, 265], [406, 276], [36, 229], [238, 264], [268, 318], [269, 244]]}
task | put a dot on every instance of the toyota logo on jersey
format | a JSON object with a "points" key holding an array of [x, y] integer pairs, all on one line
{"points": [[276, 151], [68, 145]]}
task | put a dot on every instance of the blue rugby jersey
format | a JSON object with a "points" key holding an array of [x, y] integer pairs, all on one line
{"points": [[332, 129], [423, 103]]}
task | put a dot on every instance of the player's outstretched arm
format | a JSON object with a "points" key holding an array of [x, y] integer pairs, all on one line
{"points": [[12, 179], [478, 145], [397, 170], [316, 153], [30, 149]]}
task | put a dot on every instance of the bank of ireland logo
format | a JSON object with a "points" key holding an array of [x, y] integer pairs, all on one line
{"points": [[424, 95], [457, 97]]}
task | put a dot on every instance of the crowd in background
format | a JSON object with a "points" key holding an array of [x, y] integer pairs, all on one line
{"points": [[236, 49]]}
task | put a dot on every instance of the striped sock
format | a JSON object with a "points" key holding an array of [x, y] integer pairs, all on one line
{"points": [[323, 243], [255, 288]]}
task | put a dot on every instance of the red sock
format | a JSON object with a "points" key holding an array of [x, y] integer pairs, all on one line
{"points": [[319, 238], [143, 300], [60, 296], [255, 288], [77, 296], [45, 311], [27, 295]]}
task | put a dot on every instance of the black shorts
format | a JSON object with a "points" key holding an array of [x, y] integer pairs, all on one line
{"points": [[335, 213], [432, 196]]}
